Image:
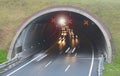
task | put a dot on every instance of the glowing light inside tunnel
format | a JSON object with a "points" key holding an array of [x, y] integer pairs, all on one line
{"points": [[62, 21]]}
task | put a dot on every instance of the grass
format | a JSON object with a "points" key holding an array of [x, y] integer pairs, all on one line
{"points": [[3, 54], [13, 12]]}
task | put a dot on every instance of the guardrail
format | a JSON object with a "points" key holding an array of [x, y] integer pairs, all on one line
{"points": [[16, 60], [9, 64], [101, 65]]}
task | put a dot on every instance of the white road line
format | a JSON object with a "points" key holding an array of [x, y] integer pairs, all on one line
{"points": [[73, 50], [42, 57], [67, 50], [67, 68], [24, 65], [91, 67], [48, 64], [75, 54]]}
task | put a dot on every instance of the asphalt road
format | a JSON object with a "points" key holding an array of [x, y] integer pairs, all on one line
{"points": [[77, 61]]}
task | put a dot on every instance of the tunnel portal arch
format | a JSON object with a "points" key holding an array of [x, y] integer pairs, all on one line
{"points": [[17, 39]]}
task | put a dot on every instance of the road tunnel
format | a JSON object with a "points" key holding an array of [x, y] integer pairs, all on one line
{"points": [[64, 26]]}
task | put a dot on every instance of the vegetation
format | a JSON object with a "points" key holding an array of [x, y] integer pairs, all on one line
{"points": [[13, 12], [3, 54]]}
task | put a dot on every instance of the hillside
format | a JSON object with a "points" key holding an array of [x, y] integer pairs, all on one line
{"points": [[13, 12]]}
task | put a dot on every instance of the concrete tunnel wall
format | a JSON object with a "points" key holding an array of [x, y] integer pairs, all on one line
{"points": [[21, 49]]}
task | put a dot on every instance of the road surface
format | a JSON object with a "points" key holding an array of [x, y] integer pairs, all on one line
{"points": [[77, 61]]}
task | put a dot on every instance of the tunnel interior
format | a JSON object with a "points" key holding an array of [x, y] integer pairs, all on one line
{"points": [[45, 31]]}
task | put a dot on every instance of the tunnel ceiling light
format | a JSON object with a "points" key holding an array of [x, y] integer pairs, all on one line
{"points": [[62, 21]]}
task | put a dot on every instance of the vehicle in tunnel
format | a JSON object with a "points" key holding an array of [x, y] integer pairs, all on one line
{"points": [[65, 25]]}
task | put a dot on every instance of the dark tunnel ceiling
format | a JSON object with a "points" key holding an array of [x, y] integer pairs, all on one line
{"points": [[45, 31]]}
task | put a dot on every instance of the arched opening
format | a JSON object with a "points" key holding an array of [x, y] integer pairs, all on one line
{"points": [[62, 27]]}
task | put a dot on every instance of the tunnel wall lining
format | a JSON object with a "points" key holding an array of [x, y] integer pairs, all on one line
{"points": [[101, 26]]}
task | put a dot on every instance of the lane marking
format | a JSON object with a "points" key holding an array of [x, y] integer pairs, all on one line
{"points": [[42, 57], [48, 64], [24, 65], [75, 54], [67, 68], [73, 50], [91, 67], [67, 50]]}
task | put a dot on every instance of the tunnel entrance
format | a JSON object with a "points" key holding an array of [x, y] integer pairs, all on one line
{"points": [[63, 27]]}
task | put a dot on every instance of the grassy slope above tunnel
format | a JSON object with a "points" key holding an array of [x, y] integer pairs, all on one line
{"points": [[14, 12]]}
